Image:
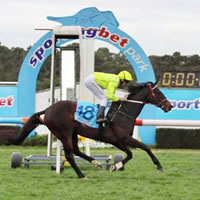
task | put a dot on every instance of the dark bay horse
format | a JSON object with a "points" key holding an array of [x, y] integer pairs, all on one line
{"points": [[59, 118]]}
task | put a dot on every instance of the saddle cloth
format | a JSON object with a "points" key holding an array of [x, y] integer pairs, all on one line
{"points": [[86, 113]]}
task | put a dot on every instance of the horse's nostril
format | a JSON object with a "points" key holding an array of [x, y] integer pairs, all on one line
{"points": [[170, 108]]}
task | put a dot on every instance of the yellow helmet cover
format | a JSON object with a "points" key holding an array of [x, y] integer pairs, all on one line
{"points": [[125, 75]]}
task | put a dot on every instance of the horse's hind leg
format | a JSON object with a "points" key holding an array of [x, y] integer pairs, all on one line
{"points": [[135, 143], [83, 155], [68, 149]]}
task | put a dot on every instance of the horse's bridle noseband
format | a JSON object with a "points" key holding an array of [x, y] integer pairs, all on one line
{"points": [[153, 92]]}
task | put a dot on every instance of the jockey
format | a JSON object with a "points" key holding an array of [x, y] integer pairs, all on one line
{"points": [[98, 81]]}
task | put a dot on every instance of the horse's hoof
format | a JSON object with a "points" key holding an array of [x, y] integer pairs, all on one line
{"points": [[97, 164], [117, 166], [160, 169], [112, 168], [80, 175]]}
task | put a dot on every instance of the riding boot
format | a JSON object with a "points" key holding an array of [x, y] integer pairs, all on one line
{"points": [[100, 115]]}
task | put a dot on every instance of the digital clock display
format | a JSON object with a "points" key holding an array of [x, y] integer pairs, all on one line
{"points": [[181, 79]]}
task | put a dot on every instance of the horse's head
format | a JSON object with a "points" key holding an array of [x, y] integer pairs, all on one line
{"points": [[158, 98], [154, 96]]}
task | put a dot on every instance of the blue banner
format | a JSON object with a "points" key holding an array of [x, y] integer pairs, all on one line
{"points": [[186, 103], [8, 101]]}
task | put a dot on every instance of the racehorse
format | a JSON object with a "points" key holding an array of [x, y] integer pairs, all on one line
{"points": [[59, 118]]}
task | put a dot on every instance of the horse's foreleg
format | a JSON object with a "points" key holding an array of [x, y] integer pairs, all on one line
{"points": [[68, 148], [83, 155], [135, 143], [120, 165]]}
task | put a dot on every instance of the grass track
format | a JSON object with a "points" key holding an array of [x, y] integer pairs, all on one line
{"points": [[139, 181]]}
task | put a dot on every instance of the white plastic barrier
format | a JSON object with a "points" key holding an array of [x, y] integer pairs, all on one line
{"points": [[154, 122]]}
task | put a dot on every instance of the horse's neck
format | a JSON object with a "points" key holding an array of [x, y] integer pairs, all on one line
{"points": [[142, 95], [135, 108]]}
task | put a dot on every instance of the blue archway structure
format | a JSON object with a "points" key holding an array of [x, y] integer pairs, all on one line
{"points": [[108, 31]]}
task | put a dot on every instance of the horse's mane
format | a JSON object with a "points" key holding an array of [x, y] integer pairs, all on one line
{"points": [[133, 89]]}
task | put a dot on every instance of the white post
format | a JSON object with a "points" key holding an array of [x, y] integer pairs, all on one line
{"points": [[49, 142], [67, 81], [135, 132], [66, 72], [86, 68], [58, 156]]}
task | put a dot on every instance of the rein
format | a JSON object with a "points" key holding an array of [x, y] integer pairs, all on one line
{"points": [[135, 101], [141, 102]]}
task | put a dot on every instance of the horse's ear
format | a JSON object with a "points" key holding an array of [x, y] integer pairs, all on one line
{"points": [[155, 83]]}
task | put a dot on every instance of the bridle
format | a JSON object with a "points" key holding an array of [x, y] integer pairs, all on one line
{"points": [[158, 95]]}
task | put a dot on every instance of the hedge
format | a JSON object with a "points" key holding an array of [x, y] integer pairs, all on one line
{"points": [[6, 132], [37, 140], [178, 138]]}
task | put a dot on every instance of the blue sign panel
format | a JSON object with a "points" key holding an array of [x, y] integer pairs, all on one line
{"points": [[186, 103], [8, 101]]}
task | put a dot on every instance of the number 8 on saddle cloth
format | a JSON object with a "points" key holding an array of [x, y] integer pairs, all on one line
{"points": [[86, 113]]}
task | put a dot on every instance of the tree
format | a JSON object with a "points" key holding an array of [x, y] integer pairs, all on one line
{"points": [[105, 61]]}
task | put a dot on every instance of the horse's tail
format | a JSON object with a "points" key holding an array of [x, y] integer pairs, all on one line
{"points": [[30, 125]]}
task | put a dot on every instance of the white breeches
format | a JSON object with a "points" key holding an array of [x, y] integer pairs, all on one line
{"points": [[91, 84]]}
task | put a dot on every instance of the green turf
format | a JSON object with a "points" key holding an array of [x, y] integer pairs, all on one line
{"points": [[139, 181]]}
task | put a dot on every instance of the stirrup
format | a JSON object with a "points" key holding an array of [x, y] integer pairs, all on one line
{"points": [[101, 120]]}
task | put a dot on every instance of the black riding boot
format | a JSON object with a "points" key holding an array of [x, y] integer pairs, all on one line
{"points": [[100, 115]]}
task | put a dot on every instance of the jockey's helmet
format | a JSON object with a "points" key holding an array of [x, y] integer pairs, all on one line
{"points": [[125, 75]]}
